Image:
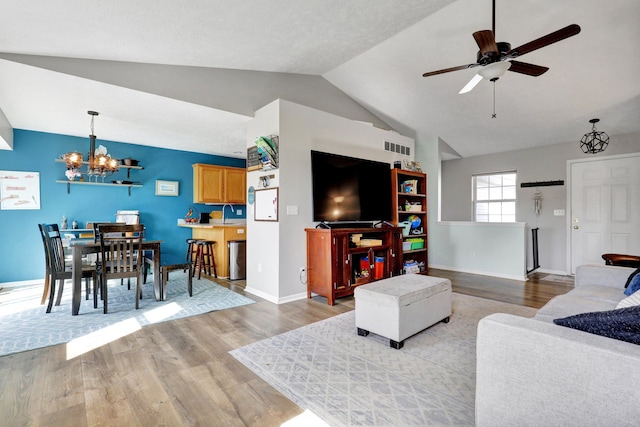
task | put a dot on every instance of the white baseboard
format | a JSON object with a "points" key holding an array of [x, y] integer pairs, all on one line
{"points": [[33, 282], [273, 299], [261, 294], [522, 278], [557, 272]]}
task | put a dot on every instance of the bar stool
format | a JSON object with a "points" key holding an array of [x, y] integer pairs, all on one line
{"points": [[191, 251], [205, 258]]}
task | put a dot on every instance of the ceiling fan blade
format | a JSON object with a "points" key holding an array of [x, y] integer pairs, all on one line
{"points": [[556, 36], [472, 83], [486, 42], [448, 70], [528, 69]]}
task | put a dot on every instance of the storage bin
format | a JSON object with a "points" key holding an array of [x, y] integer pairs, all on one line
{"points": [[406, 246], [378, 268], [416, 243]]}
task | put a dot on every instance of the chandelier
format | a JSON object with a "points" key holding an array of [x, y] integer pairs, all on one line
{"points": [[99, 163], [594, 141]]}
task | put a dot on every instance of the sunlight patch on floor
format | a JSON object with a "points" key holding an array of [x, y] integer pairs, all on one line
{"points": [[86, 343], [305, 419], [158, 314]]}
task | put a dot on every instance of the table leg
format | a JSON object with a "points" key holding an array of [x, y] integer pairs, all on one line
{"points": [[76, 278]]}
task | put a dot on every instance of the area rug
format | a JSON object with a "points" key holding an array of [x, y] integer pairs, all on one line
{"points": [[561, 279], [24, 324], [349, 380]]}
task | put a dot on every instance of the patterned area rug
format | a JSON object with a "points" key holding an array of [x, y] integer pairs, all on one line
{"points": [[349, 380], [24, 324]]}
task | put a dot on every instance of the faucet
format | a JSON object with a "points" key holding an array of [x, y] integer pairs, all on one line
{"points": [[224, 220]]}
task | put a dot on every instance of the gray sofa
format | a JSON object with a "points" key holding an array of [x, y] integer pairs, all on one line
{"points": [[532, 372]]}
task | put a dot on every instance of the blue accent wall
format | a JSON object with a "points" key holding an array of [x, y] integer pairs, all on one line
{"points": [[21, 251]]}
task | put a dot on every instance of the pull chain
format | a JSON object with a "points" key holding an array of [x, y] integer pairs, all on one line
{"points": [[493, 116]]}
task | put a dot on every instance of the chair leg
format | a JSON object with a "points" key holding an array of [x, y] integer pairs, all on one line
{"points": [[138, 291], [198, 262], [52, 295], [45, 291], [212, 261], [95, 290], [105, 299], [60, 290]]}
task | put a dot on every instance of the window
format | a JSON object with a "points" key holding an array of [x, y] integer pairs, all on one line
{"points": [[494, 197]]}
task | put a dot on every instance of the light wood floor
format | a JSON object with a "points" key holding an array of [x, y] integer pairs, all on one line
{"points": [[180, 373]]}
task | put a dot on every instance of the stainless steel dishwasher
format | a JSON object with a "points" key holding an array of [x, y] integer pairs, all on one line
{"points": [[237, 259]]}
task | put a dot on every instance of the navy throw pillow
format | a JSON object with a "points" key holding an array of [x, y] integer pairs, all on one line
{"points": [[634, 285], [621, 324]]}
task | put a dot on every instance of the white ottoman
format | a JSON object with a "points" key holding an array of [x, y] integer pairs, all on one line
{"points": [[401, 306]]}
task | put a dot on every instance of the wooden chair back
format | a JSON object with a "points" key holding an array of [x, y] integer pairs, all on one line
{"points": [[120, 245], [120, 256]]}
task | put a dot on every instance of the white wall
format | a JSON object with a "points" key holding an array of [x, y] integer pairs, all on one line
{"points": [[263, 256], [546, 163], [493, 250], [300, 129], [6, 133]]}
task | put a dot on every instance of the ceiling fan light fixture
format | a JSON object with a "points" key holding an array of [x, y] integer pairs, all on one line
{"points": [[494, 71], [594, 142]]}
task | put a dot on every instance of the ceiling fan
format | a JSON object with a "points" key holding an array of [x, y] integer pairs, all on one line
{"points": [[495, 58]]}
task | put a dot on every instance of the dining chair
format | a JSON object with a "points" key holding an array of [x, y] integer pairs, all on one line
{"points": [[47, 278], [120, 220], [120, 257], [58, 269]]}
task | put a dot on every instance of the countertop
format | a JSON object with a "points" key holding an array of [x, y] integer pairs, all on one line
{"points": [[213, 225]]}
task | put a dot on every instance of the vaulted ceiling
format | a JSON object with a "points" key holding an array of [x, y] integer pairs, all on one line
{"points": [[373, 51]]}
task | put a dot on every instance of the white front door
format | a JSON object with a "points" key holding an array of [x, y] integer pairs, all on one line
{"points": [[604, 208]]}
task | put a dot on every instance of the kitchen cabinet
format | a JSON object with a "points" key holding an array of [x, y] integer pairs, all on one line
{"points": [[222, 234], [219, 184]]}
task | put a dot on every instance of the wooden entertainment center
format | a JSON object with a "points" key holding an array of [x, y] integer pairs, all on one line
{"points": [[340, 259]]}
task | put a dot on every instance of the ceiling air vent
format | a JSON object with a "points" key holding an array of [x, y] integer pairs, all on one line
{"points": [[397, 148]]}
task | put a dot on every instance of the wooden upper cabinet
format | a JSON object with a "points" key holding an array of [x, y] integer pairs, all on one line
{"points": [[219, 184], [235, 185]]}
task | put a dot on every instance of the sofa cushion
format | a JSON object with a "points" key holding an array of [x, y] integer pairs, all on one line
{"points": [[570, 304], [634, 285], [621, 324], [630, 301], [604, 293]]}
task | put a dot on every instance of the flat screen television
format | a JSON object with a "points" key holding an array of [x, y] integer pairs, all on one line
{"points": [[350, 189]]}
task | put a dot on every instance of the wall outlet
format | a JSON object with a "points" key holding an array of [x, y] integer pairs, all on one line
{"points": [[239, 211], [292, 210], [558, 212], [259, 268]]}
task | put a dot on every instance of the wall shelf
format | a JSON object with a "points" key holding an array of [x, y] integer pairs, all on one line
{"points": [[106, 184]]}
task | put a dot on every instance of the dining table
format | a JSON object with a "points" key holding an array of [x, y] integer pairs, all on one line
{"points": [[81, 247]]}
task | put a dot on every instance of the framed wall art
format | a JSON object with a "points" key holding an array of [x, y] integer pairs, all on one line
{"points": [[167, 188]]}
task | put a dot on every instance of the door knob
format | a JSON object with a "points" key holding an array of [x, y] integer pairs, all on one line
{"points": [[575, 227]]}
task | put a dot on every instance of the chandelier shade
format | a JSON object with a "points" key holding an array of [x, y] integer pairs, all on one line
{"points": [[594, 142], [73, 160]]}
